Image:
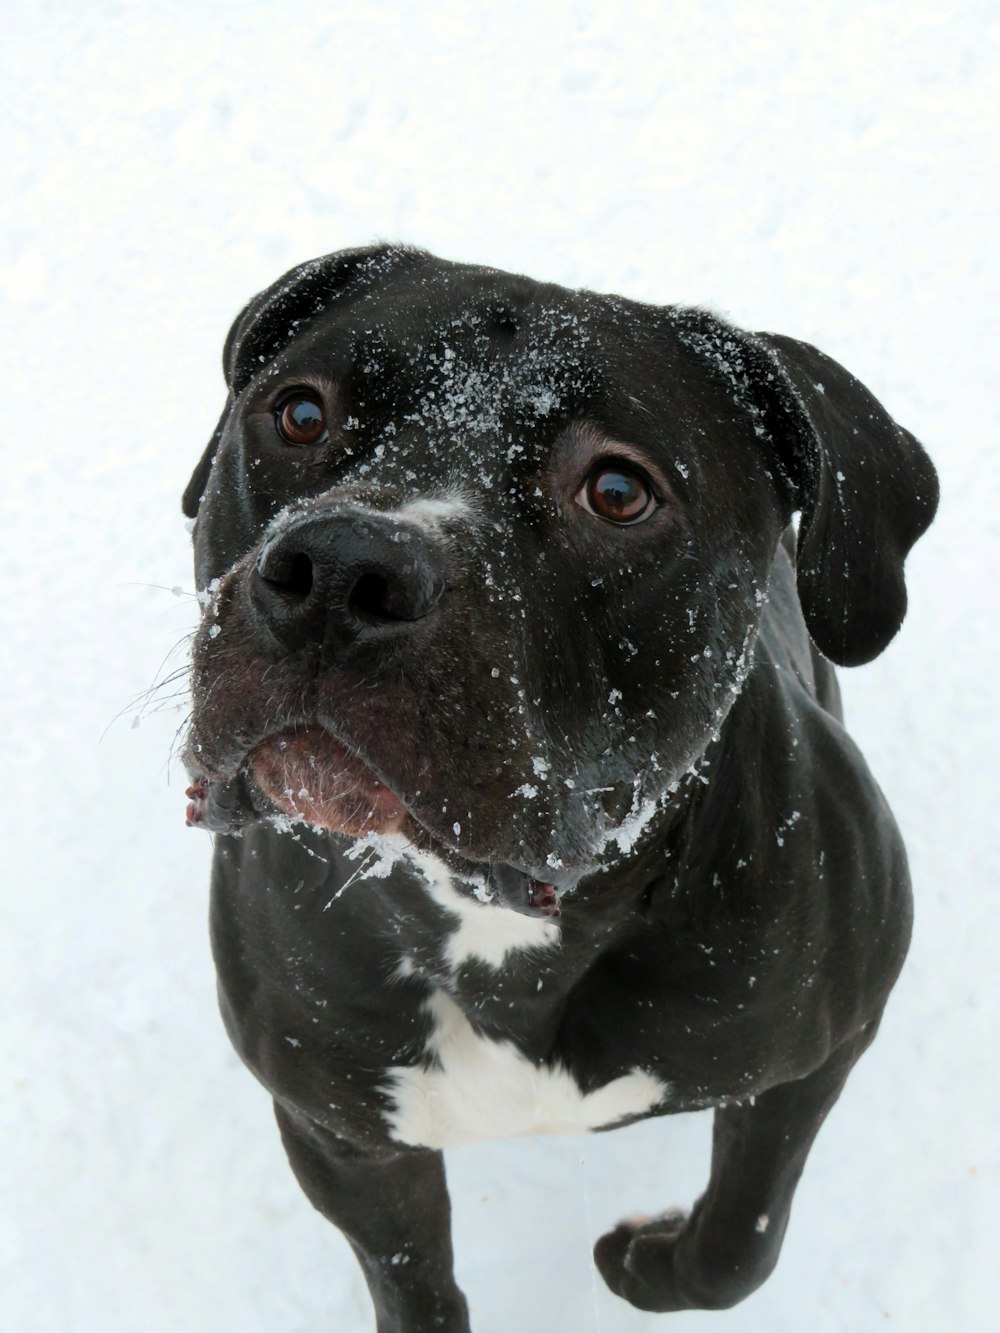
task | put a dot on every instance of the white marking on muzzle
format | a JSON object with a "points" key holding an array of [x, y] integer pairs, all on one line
{"points": [[429, 511]]}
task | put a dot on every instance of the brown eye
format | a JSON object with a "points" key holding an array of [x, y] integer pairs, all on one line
{"points": [[618, 493], [301, 419]]}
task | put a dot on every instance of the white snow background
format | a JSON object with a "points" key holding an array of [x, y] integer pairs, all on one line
{"points": [[827, 170]]}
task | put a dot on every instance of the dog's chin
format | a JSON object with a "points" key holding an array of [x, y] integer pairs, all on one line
{"points": [[308, 775]]}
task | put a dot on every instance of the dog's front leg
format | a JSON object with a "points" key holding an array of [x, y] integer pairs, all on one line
{"points": [[394, 1210], [729, 1243]]}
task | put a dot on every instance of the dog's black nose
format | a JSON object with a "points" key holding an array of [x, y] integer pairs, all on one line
{"points": [[337, 578]]}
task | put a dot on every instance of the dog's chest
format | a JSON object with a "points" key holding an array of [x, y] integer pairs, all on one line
{"points": [[471, 1087]]}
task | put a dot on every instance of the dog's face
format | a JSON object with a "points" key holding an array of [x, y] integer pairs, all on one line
{"points": [[482, 560]]}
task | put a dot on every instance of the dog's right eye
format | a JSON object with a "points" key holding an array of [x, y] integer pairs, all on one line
{"points": [[301, 419], [618, 492]]}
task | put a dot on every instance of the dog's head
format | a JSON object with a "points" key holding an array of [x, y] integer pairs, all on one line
{"points": [[482, 560]]}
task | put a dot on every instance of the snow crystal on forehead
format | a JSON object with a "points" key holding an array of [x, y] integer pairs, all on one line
{"points": [[466, 389], [463, 399]]}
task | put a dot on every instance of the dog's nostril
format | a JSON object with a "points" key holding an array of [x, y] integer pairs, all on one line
{"points": [[290, 573], [369, 599], [300, 574]]}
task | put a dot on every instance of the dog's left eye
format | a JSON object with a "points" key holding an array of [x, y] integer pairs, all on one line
{"points": [[301, 419], [617, 492]]}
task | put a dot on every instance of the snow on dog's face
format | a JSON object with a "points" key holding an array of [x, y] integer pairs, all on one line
{"points": [[481, 560]]}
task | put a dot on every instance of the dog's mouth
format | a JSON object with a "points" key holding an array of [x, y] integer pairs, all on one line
{"points": [[304, 773], [307, 775]]}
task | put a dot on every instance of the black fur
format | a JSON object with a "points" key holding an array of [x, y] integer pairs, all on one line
{"points": [[631, 734]]}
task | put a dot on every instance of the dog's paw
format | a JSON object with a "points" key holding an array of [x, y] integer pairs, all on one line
{"points": [[657, 1263], [637, 1261]]}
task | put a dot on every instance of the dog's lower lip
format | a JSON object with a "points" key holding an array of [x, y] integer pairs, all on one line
{"points": [[305, 772], [309, 774]]}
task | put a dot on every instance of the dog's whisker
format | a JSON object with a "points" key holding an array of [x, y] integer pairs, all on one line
{"points": [[169, 703], [176, 591], [140, 705], [175, 745]]}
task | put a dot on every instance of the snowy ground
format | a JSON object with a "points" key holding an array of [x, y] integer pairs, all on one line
{"points": [[826, 170]]}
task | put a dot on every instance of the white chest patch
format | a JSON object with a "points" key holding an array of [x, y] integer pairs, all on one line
{"points": [[482, 930], [477, 1089]]}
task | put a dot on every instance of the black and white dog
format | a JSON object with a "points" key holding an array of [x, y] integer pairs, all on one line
{"points": [[515, 714]]}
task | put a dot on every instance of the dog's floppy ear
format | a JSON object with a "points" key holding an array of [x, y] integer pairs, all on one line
{"points": [[278, 315], [195, 489], [864, 485]]}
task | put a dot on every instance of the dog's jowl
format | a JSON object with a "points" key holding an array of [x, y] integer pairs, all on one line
{"points": [[515, 720]]}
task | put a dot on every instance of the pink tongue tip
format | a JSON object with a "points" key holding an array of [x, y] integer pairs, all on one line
{"points": [[543, 898], [197, 795]]}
